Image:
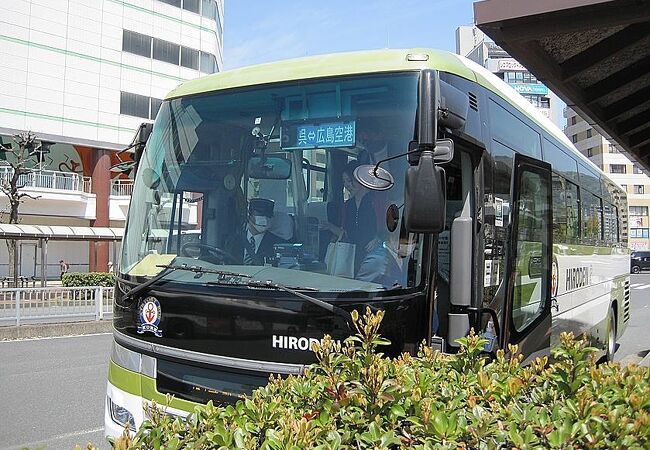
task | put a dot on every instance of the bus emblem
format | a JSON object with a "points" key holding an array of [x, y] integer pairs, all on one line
{"points": [[149, 317]]}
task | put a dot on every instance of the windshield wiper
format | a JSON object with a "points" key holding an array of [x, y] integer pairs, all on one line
{"points": [[169, 268], [291, 290]]}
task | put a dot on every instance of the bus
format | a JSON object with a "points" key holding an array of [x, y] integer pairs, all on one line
{"points": [[409, 181]]}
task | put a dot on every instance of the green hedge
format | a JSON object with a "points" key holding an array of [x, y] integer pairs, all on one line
{"points": [[79, 279], [355, 398]]}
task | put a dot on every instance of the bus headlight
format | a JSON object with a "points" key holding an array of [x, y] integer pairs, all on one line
{"points": [[121, 415]]}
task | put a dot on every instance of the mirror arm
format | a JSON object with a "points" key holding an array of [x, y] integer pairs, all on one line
{"points": [[427, 109], [410, 152]]}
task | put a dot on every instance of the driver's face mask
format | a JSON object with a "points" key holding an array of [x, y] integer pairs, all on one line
{"points": [[261, 223]]}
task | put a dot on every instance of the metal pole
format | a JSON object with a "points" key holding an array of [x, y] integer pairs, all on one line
{"points": [[98, 303], [42, 244], [45, 259], [17, 291], [114, 257], [16, 245]]}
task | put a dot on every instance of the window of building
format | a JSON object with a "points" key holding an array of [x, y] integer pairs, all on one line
{"points": [[141, 44], [208, 63], [190, 58], [192, 5], [589, 133], [139, 105], [166, 51], [624, 187], [638, 210], [639, 232], [156, 103], [134, 105], [208, 9], [590, 152], [176, 3], [617, 168], [574, 120], [613, 148], [136, 43], [574, 138], [637, 169], [544, 102], [638, 189]]}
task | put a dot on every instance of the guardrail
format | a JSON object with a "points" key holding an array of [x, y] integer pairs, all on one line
{"points": [[121, 187], [55, 304], [49, 179]]}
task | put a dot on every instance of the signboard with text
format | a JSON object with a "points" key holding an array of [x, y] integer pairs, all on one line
{"points": [[329, 134], [530, 88]]}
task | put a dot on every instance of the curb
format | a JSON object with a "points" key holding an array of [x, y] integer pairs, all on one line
{"points": [[54, 330], [645, 362]]}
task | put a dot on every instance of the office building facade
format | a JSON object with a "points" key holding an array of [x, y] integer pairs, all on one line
{"points": [[82, 75]]}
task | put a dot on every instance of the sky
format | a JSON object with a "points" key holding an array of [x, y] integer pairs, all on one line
{"points": [[258, 31]]}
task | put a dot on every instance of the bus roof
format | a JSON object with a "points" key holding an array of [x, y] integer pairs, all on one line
{"points": [[373, 61]]}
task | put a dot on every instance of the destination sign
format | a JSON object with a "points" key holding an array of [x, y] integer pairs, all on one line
{"points": [[305, 135]]}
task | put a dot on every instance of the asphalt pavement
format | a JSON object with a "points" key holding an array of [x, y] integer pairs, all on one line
{"points": [[52, 390], [634, 345]]}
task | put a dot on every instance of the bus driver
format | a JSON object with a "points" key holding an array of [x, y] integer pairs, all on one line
{"points": [[259, 240]]}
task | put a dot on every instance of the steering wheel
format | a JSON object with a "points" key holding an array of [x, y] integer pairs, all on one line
{"points": [[217, 255]]}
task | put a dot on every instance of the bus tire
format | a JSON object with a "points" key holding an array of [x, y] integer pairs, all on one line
{"points": [[636, 269], [611, 335]]}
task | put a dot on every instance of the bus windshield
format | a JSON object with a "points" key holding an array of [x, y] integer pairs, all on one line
{"points": [[260, 181]]}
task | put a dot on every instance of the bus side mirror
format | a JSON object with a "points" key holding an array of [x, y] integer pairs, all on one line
{"points": [[141, 138], [424, 196]]}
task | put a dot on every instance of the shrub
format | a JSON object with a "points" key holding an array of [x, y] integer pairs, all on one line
{"points": [[356, 398], [79, 279]]}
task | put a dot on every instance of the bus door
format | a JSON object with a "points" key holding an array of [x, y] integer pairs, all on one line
{"points": [[527, 312]]}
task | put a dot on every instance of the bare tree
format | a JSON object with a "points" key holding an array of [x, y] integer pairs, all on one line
{"points": [[21, 159]]}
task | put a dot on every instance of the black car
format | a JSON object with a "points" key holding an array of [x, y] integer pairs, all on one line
{"points": [[639, 261]]}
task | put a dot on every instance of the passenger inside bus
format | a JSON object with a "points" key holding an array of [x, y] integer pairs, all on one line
{"points": [[359, 217], [388, 262]]}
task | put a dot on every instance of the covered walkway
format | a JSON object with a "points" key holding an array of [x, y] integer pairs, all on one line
{"points": [[45, 233]]}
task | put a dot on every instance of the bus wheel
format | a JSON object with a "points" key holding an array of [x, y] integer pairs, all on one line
{"points": [[636, 269], [611, 335]]}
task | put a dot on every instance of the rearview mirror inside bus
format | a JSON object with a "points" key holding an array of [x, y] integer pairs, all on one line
{"points": [[269, 168]]}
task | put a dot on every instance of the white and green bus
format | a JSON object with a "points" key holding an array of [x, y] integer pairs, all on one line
{"points": [[270, 201]]}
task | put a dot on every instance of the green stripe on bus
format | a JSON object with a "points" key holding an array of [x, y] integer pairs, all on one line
{"points": [[143, 386], [124, 379]]}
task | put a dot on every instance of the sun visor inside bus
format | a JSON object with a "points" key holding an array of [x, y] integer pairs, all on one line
{"points": [[454, 105]]}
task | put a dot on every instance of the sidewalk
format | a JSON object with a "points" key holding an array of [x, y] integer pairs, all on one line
{"points": [[55, 329]]}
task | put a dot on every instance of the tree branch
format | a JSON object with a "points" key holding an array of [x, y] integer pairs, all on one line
{"points": [[24, 194]]}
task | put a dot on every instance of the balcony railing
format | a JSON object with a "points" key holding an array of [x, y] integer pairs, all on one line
{"points": [[48, 179], [121, 187]]}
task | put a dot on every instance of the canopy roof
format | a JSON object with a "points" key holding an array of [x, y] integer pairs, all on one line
{"points": [[60, 232], [594, 54]]}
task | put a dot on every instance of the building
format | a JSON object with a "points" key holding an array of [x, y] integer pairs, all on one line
{"points": [[471, 43], [621, 170], [82, 75]]}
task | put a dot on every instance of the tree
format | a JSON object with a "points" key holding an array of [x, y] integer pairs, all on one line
{"points": [[22, 159]]}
